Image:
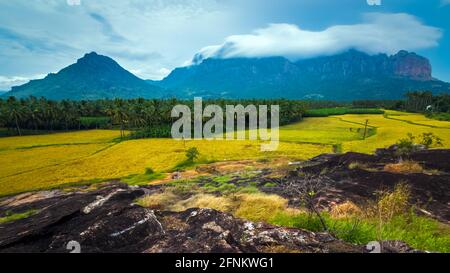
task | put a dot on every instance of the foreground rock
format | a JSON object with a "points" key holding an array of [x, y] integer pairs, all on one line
{"points": [[107, 220], [430, 190]]}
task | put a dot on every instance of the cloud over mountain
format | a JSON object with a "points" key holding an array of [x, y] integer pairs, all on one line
{"points": [[378, 33]]}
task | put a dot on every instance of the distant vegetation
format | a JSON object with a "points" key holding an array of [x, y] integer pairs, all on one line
{"points": [[325, 112], [433, 106], [151, 118], [147, 118]]}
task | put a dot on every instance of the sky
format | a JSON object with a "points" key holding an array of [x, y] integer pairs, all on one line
{"points": [[151, 37]]}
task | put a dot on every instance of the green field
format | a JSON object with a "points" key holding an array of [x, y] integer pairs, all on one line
{"points": [[48, 161], [325, 112]]}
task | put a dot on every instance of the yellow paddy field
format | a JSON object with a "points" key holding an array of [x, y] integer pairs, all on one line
{"points": [[46, 161]]}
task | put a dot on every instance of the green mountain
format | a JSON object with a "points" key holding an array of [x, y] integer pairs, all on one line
{"points": [[91, 77], [347, 76]]}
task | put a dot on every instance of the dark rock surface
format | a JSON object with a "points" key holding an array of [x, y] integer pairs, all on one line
{"points": [[107, 220], [430, 191]]}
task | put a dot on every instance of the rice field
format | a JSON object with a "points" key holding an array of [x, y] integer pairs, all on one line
{"points": [[46, 161]]}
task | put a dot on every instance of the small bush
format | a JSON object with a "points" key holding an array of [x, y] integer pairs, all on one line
{"points": [[404, 167], [405, 146], [430, 139], [391, 203], [192, 154]]}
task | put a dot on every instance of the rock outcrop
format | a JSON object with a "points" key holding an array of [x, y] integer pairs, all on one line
{"points": [[107, 220]]}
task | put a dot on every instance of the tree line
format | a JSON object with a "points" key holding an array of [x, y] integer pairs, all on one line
{"points": [[152, 117], [147, 118], [418, 101]]}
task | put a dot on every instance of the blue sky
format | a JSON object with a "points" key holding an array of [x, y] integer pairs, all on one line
{"points": [[151, 37]]}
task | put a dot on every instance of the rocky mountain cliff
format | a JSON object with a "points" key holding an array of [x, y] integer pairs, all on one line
{"points": [[346, 76]]}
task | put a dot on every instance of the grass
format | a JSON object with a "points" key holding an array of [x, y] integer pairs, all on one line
{"points": [[142, 179], [11, 217], [419, 232], [325, 112], [80, 137], [389, 130], [48, 161], [440, 116], [404, 167], [390, 218]]}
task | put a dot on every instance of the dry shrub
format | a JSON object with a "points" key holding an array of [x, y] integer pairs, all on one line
{"points": [[357, 165], [391, 203], [254, 207], [345, 210], [259, 207], [361, 166], [404, 167], [204, 201], [159, 201], [172, 223]]}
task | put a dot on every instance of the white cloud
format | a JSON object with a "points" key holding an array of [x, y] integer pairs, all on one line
{"points": [[144, 35], [7, 82], [378, 33]]}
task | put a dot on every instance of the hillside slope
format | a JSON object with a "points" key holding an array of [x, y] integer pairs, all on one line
{"points": [[91, 77]]}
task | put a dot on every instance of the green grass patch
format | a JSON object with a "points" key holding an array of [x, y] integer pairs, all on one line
{"points": [[142, 179], [222, 179], [270, 185], [11, 217], [190, 164], [325, 112], [249, 189], [417, 231]]}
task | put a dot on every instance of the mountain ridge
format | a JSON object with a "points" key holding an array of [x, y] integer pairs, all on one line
{"points": [[345, 76], [350, 75]]}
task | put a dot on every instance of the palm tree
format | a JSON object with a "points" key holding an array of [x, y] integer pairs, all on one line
{"points": [[16, 113], [118, 114]]}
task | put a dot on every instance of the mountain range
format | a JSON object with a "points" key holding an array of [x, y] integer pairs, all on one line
{"points": [[347, 76]]}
